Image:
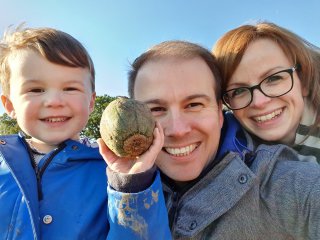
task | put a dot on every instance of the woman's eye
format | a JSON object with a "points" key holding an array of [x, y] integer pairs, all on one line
{"points": [[274, 78], [238, 92]]}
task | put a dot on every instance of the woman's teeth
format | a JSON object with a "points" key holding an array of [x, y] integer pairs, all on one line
{"points": [[269, 116]]}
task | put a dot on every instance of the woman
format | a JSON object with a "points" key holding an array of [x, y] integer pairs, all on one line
{"points": [[285, 70]]}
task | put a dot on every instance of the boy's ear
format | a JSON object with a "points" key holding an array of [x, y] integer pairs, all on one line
{"points": [[92, 101], [8, 106]]}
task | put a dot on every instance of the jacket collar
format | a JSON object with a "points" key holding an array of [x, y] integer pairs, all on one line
{"points": [[232, 138], [76, 151], [214, 195], [14, 154]]}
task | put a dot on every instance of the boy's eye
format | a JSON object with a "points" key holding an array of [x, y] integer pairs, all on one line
{"points": [[71, 89], [36, 90]]}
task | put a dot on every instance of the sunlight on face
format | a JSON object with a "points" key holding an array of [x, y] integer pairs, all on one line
{"points": [[272, 119], [51, 102], [180, 94]]}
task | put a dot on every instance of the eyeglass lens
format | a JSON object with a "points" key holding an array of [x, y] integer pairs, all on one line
{"points": [[274, 85]]}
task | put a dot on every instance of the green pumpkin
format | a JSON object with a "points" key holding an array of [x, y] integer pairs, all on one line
{"points": [[126, 127]]}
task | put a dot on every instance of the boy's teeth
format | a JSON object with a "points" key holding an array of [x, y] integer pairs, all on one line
{"points": [[55, 119], [184, 151], [268, 116]]}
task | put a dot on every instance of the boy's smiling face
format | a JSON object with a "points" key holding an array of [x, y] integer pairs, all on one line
{"points": [[51, 102]]}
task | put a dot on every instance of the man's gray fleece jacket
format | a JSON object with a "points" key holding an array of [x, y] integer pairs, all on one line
{"points": [[263, 193]]}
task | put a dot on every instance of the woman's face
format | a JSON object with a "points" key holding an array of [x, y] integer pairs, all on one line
{"points": [[271, 119]]}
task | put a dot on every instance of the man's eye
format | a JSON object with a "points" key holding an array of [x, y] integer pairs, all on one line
{"points": [[195, 104], [157, 109]]}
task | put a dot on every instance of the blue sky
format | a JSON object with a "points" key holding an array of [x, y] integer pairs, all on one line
{"points": [[116, 32]]}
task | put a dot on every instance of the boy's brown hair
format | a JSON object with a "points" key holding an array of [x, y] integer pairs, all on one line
{"points": [[56, 46]]}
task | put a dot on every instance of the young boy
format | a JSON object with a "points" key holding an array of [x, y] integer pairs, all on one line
{"points": [[52, 186]]}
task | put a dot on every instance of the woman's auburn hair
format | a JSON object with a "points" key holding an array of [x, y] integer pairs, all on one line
{"points": [[230, 48]]}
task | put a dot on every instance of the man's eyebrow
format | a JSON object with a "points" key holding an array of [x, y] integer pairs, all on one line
{"points": [[188, 98], [154, 101], [191, 97]]}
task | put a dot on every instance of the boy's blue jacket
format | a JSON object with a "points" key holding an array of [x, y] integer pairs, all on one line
{"points": [[71, 200]]}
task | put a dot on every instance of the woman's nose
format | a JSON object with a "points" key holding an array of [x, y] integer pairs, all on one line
{"points": [[259, 99]]}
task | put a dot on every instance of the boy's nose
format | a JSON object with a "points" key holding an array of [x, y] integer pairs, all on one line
{"points": [[53, 99]]}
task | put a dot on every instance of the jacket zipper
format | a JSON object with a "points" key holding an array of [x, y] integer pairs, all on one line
{"points": [[43, 168], [39, 171], [173, 209]]}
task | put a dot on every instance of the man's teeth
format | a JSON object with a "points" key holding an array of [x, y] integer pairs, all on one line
{"points": [[184, 151], [55, 119], [268, 116]]}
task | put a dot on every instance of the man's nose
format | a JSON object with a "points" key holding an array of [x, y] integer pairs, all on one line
{"points": [[177, 124]]}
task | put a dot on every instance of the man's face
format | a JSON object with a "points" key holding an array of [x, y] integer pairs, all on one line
{"points": [[180, 94]]}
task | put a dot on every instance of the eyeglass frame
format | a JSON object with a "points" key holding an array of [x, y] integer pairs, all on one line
{"points": [[258, 86]]}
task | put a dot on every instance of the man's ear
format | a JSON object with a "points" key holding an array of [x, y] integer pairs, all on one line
{"points": [[221, 118], [8, 106]]}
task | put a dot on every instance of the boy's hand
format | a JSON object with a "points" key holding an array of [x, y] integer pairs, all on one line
{"points": [[140, 164]]}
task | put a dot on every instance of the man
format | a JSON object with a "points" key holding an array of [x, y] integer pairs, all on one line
{"points": [[218, 183]]}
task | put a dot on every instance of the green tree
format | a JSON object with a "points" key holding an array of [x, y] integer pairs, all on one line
{"points": [[8, 125], [92, 130]]}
